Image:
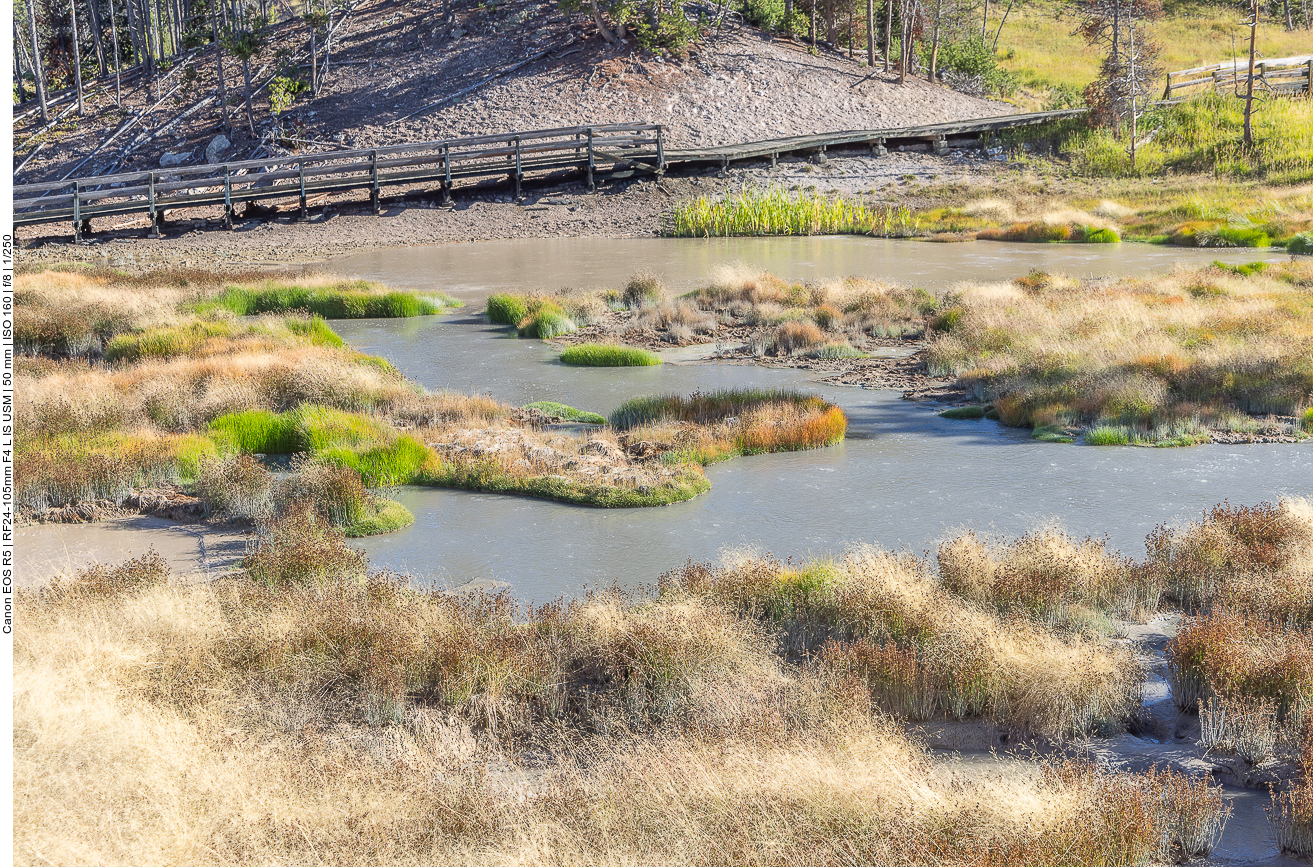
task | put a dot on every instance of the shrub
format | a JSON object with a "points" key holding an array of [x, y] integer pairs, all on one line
{"points": [[301, 546], [608, 355], [335, 491], [505, 308], [1301, 244], [237, 487], [644, 289], [99, 581], [794, 338]]}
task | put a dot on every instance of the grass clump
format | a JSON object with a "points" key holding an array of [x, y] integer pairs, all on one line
{"points": [[608, 355], [546, 322], [736, 421], [920, 652], [970, 413], [773, 210], [566, 413], [1052, 232], [355, 299], [300, 546], [505, 308], [258, 431], [644, 289], [386, 516]]}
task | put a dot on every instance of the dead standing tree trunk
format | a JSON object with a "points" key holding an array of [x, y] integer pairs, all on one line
{"points": [[77, 56], [1249, 83], [37, 71]]}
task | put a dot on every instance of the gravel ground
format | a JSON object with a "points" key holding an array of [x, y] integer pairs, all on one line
{"points": [[344, 225]]}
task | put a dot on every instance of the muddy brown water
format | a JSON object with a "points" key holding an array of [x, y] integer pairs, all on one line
{"points": [[470, 271]]}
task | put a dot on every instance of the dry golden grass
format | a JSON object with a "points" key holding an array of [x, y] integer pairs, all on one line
{"points": [[923, 652], [1048, 575], [227, 723], [1197, 345]]}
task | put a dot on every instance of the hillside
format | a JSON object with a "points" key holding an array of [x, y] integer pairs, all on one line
{"points": [[392, 58]]}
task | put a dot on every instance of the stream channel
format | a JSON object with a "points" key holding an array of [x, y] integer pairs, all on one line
{"points": [[904, 477]]}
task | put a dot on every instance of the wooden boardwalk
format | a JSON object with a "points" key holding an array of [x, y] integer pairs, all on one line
{"points": [[613, 150]]}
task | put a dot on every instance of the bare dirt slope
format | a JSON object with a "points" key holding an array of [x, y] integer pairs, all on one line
{"points": [[393, 57]]}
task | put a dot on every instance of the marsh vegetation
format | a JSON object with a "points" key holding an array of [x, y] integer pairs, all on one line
{"points": [[309, 704], [173, 388]]}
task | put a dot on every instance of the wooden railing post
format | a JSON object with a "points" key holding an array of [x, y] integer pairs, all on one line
{"points": [[154, 213], [446, 171], [518, 174], [592, 186], [1308, 85], [1167, 94], [227, 197], [661, 153], [302, 215], [373, 173], [77, 212]]}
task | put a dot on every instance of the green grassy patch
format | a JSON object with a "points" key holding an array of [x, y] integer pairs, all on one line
{"points": [[1204, 135], [505, 308], [385, 516], [487, 476], [165, 342], [774, 210], [1301, 244], [349, 300], [706, 407], [258, 431], [546, 322], [1052, 433], [566, 413], [608, 355]]}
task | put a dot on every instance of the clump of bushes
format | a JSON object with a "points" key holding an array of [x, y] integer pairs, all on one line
{"points": [[302, 546], [1301, 244], [238, 487], [644, 289], [608, 355]]}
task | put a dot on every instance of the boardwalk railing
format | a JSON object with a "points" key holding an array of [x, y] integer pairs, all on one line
{"points": [[1284, 75], [616, 150], [604, 147]]}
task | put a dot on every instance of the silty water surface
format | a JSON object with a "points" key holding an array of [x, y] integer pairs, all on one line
{"points": [[904, 478]]}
